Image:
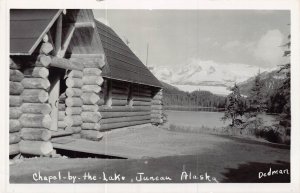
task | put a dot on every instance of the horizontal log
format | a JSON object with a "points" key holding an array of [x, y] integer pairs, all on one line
{"points": [[106, 115], [36, 108], [61, 107], [43, 61], [122, 92], [61, 124], [34, 96], [73, 120], [76, 135], [14, 149], [156, 107], [15, 101], [74, 102], [35, 134], [73, 92], [156, 111], [90, 108], [101, 102], [159, 121], [143, 91], [46, 48], [15, 88], [93, 62], [73, 129], [66, 64], [92, 80], [91, 88], [92, 72], [125, 119], [91, 117], [122, 124], [36, 83], [124, 108], [139, 94], [14, 125], [119, 96], [35, 120], [73, 110], [75, 74], [141, 103], [14, 112], [61, 115], [156, 116], [119, 102], [91, 135], [35, 147], [136, 98], [74, 82], [14, 138], [156, 102], [90, 98], [36, 72], [16, 75], [90, 126]]}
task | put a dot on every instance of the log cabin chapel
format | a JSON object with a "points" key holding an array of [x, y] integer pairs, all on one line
{"points": [[71, 75]]}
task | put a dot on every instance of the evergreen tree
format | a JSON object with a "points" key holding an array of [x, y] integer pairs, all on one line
{"points": [[234, 106]]}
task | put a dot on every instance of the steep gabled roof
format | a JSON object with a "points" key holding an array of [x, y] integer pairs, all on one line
{"points": [[27, 28], [122, 63]]}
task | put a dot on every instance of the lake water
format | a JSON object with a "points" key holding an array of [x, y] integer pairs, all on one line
{"points": [[196, 118]]}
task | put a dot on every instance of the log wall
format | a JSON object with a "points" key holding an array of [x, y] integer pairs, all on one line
{"points": [[30, 118], [156, 108], [92, 98]]}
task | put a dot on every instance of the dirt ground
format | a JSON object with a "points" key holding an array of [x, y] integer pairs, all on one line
{"points": [[173, 157]]}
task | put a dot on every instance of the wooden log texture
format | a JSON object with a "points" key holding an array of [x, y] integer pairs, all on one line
{"points": [[119, 102], [35, 134], [90, 98], [75, 74], [124, 109], [141, 103], [73, 92], [91, 126], [91, 117], [35, 120], [101, 101], [93, 62], [14, 138], [119, 96], [156, 102], [73, 129], [15, 101], [92, 72], [36, 108], [73, 120], [142, 90], [139, 94], [106, 115], [125, 119], [74, 102], [15, 88], [61, 115], [14, 125], [156, 111], [146, 99], [43, 61], [76, 135], [156, 107], [61, 107], [16, 75], [74, 82], [90, 108], [35, 147], [46, 48], [14, 112], [36, 72], [61, 124], [157, 97], [91, 135], [91, 88], [13, 64], [62, 97], [14, 149], [156, 116], [36, 83], [122, 124], [73, 110], [34, 96], [156, 120], [92, 80], [66, 64]]}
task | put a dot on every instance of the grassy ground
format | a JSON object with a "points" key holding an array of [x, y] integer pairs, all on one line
{"points": [[224, 159]]}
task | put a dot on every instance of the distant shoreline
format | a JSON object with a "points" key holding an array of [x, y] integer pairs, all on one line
{"points": [[193, 108]]}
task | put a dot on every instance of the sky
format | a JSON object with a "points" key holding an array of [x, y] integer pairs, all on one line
{"points": [[176, 37]]}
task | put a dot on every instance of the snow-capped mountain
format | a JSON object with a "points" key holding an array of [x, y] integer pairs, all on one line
{"points": [[206, 75]]}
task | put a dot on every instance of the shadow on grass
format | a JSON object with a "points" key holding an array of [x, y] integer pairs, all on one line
{"points": [[249, 173]]}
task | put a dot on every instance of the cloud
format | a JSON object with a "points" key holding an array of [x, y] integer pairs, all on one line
{"points": [[268, 48], [232, 44]]}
